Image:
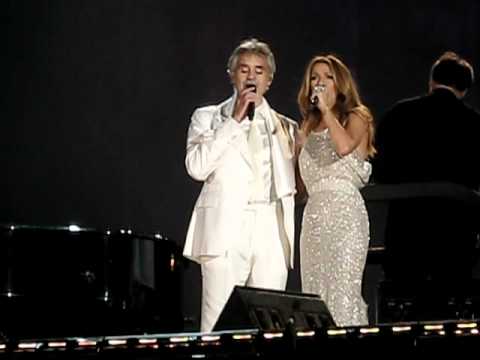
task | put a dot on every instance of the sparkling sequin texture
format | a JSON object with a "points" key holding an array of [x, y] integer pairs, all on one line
{"points": [[335, 229]]}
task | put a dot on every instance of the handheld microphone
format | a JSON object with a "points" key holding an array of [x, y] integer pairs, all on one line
{"points": [[316, 90], [251, 106]]}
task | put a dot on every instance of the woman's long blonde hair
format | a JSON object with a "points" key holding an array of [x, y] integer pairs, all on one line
{"points": [[348, 100]]}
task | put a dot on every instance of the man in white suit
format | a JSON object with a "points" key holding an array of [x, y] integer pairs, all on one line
{"points": [[242, 226]]}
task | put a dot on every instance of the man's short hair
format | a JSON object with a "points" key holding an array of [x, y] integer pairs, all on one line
{"points": [[451, 70], [252, 46]]}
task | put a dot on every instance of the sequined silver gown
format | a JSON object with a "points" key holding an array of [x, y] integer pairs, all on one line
{"points": [[335, 230]]}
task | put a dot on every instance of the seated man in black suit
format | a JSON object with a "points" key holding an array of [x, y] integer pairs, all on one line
{"points": [[431, 138]]}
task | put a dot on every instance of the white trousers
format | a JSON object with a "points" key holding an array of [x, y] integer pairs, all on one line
{"points": [[256, 260]]}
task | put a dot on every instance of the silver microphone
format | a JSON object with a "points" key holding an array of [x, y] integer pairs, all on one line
{"points": [[316, 90]]}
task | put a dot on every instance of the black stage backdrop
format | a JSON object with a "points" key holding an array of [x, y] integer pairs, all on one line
{"points": [[97, 94]]}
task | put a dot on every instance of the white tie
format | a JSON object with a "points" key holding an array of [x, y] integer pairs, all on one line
{"points": [[254, 137], [256, 145]]}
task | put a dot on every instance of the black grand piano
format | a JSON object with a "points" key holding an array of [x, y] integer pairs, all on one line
{"points": [[425, 237], [73, 281]]}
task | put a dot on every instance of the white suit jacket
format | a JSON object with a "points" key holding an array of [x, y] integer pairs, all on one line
{"points": [[218, 155]]}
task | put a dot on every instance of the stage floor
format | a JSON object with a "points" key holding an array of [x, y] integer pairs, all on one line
{"points": [[398, 339]]}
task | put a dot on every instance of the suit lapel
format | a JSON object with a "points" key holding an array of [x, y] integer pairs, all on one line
{"points": [[282, 157]]}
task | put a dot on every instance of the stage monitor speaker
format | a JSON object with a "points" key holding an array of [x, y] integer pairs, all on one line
{"points": [[272, 310]]}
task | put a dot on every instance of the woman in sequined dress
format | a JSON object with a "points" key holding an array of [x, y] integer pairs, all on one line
{"points": [[337, 133]]}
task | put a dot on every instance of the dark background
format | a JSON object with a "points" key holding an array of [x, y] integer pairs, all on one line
{"points": [[96, 95]]}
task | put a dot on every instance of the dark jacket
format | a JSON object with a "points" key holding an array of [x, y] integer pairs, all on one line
{"points": [[428, 139]]}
